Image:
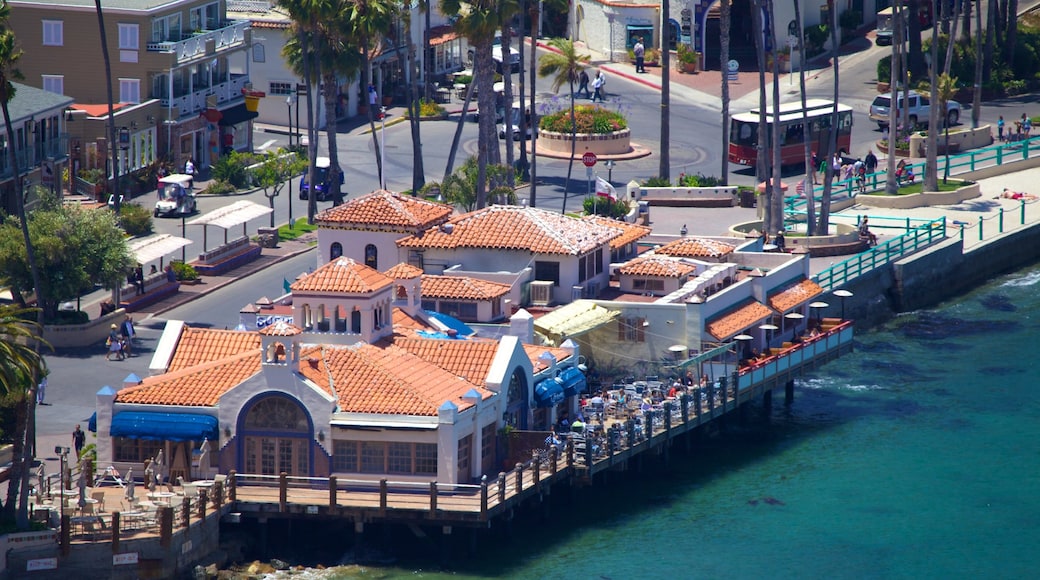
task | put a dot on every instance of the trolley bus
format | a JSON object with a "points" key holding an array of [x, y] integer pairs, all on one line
{"points": [[743, 135]]}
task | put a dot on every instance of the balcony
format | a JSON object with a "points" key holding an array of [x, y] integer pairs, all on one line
{"points": [[195, 102], [56, 148], [230, 36]]}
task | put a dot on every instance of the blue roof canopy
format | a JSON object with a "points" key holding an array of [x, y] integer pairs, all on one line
{"points": [[548, 393], [164, 426], [451, 322], [573, 381], [92, 423]]}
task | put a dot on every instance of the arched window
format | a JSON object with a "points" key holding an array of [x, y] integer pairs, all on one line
{"points": [[335, 250], [258, 53], [372, 256], [277, 414]]}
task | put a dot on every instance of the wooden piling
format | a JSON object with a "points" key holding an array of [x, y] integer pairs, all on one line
{"points": [[333, 502], [433, 498], [283, 491]]}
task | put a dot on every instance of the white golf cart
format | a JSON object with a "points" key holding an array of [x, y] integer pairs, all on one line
{"points": [[176, 195]]}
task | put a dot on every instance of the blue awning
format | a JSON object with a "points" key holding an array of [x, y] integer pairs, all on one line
{"points": [[451, 322], [92, 423], [164, 426], [573, 381], [548, 393]]}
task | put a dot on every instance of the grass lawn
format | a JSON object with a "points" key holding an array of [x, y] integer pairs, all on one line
{"points": [[918, 187], [285, 233]]}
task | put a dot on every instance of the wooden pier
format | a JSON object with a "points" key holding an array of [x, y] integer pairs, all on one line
{"points": [[264, 497]]}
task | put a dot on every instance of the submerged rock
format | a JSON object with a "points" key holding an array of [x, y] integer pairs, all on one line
{"points": [[998, 302]]}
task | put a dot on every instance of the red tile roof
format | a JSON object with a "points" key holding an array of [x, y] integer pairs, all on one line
{"points": [[202, 345], [461, 288], [534, 351], [404, 322], [794, 295], [385, 208], [342, 275], [281, 328], [629, 232], [388, 380], [468, 359], [659, 266], [403, 271], [511, 227], [733, 322], [197, 386], [695, 248]]}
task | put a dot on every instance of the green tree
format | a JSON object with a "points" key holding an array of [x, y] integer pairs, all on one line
{"points": [[76, 248], [724, 24], [20, 367], [564, 67], [460, 188], [275, 172], [508, 9], [9, 55]]}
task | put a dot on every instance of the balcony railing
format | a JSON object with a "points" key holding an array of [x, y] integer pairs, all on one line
{"points": [[196, 101], [56, 148], [230, 36]]}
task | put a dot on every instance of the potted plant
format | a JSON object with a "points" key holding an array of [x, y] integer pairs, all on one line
{"points": [[686, 61]]}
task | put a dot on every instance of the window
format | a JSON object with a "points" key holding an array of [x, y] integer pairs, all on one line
{"points": [[129, 90], [258, 53], [465, 449], [645, 284], [335, 251], [631, 329], [462, 310], [134, 450], [128, 37], [547, 271], [599, 261], [415, 258], [277, 414], [205, 17], [398, 458], [54, 84], [280, 88], [583, 263], [372, 256], [53, 33], [167, 29]]}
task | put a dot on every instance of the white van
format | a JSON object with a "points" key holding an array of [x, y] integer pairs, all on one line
{"points": [[514, 123]]}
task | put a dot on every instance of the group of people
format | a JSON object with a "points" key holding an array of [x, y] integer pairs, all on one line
{"points": [[843, 168], [598, 85], [1023, 127], [120, 339]]}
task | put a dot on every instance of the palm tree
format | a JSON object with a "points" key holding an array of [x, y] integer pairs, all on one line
{"points": [[810, 170], [508, 10], [370, 19], [724, 23], [532, 199], [895, 75], [832, 141], [478, 21], [9, 55], [113, 150], [776, 200], [522, 164], [664, 169], [21, 367], [761, 169], [565, 65], [931, 182], [305, 15]]}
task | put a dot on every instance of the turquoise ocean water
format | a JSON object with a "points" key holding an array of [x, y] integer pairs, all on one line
{"points": [[917, 456]]}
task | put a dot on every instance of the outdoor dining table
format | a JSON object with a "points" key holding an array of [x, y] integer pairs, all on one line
{"points": [[164, 497]]}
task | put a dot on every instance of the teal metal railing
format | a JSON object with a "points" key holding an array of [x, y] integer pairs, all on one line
{"points": [[884, 253]]}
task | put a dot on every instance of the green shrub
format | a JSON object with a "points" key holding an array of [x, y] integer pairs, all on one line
{"points": [[135, 219], [184, 271], [92, 175], [429, 108], [699, 180], [815, 38], [604, 207], [219, 188], [587, 118], [73, 317], [884, 69], [231, 169], [657, 182]]}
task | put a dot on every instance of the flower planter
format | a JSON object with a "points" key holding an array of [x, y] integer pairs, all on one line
{"points": [[614, 143], [687, 67]]}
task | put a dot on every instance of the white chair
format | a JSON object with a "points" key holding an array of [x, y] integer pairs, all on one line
{"points": [[99, 497]]}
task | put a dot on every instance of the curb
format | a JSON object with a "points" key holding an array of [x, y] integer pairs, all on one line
{"points": [[195, 296]]}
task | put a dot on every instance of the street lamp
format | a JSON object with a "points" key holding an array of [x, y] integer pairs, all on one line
{"points": [[124, 146], [609, 164], [63, 454], [843, 294], [288, 104]]}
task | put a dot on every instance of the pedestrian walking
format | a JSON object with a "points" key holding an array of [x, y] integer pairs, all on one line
{"points": [[41, 391], [1000, 129], [583, 83], [127, 333], [597, 87], [79, 439], [639, 51], [114, 344], [189, 169]]}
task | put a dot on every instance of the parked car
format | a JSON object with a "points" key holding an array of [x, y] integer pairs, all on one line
{"points": [[496, 54], [918, 109], [323, 190]]}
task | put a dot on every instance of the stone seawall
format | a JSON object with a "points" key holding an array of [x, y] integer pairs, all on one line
{"points": [[939, 273]]}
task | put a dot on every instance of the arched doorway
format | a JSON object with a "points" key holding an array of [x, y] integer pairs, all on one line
{"points": [[517, 405], [275, 434]]}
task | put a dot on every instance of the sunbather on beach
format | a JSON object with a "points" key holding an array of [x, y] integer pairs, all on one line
{"points": [[1008, 194]]}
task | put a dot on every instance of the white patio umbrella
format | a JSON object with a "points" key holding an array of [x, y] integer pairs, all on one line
{"points": [[130, 485]]}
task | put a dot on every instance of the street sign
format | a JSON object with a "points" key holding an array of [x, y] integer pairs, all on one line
{"points": [[588, 172], [589, 159]]}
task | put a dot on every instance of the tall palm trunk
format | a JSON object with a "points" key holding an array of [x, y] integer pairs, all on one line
{"points": [[523, 164], [507, 121], [724, 24], [367, 64], [891, 184], [666, 71], [330, 94], [991, 41], [427, 54], [534, 134], [23, 446], [761, 160], [412, 92], [776, 199], [113, 148], [484, 79], [976, 94], [312, 201], [574, 145], [832, 145], [458, 132], [807, 183], [931, 181]]}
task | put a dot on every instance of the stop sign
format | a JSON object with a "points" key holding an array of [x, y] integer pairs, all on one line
{"points": [[589, 159]]}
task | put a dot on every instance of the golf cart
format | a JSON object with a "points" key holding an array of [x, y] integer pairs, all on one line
{"points": [[514, 124], [323, 189], [176, 195]]}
